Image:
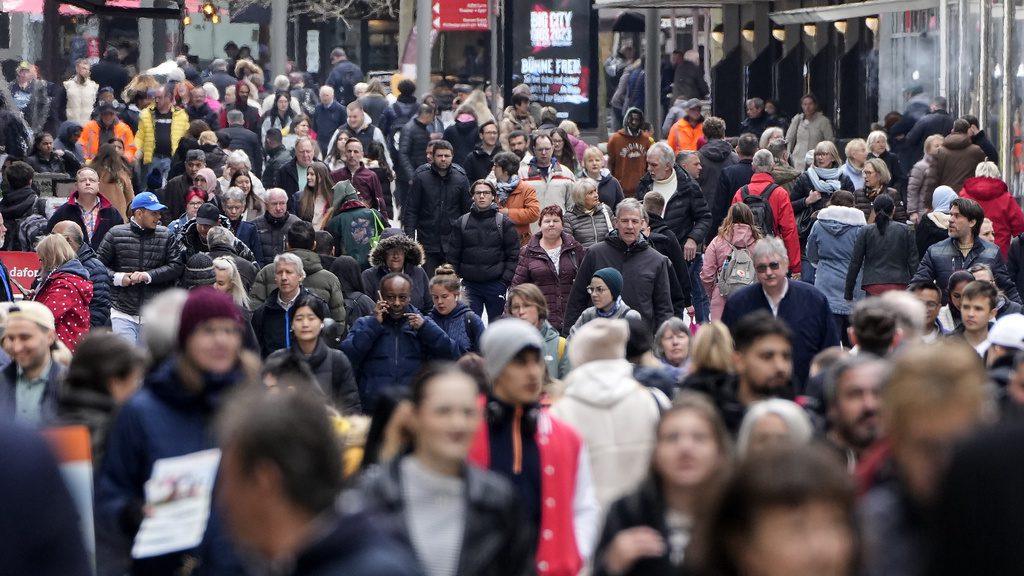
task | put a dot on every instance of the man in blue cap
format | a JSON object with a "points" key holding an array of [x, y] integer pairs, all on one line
{"points": [[143, 259]]}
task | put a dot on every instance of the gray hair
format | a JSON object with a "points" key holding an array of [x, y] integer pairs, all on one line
{"points": [[220, 236], [161, 317], [281, 82], [987, 169], [909, 312], [238, 157], [274, 191], [233, 193], [291, 260], [876, 136], [580, 189], [667, 154], [632, 205], [683, 156], [235, 117], [676, 325], [763, 161], [798, 425], [768, 247], [769, 135], [211, 90], [219, 65], [757, 102], [778, 148], [841, 367]]}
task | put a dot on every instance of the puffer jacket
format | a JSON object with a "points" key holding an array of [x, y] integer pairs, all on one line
{"points": [[271, 232], [915, 187], [464, 137], [479, 251], [999, 206], [67, 292], [80, 98], [493, 543], [882, 259], [386, 355], [414, 258], [864, 200], [943, 258], [714, 258], [588, 228], [953, 163], [616, 416], [830, 250], [434, 204], [99, 306], [334, 374], [715, 156], [145, 136], [556, 189], [647, 287], [534, 267], [686, 214], [320, 282], [131, 248], [191, 244], [412, 149], [463, 327]]}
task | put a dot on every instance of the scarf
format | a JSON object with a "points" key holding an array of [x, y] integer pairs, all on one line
{"points": [[611, 311], [506, 188], [824, 180]]}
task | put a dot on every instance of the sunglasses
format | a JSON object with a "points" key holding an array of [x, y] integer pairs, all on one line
{"points": [[762, 268]]}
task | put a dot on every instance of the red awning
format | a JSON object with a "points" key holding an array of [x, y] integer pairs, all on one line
{"points": [[36, 6]]}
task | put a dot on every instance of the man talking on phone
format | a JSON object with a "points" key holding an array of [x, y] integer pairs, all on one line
{"points": [[388, 348]]}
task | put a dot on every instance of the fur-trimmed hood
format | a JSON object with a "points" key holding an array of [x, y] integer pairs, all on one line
{"points": [[414, 254]]}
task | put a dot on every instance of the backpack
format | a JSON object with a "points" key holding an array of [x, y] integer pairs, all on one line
{"points": [[761, 207], [737, 271], [30, 229], [499, 219]]}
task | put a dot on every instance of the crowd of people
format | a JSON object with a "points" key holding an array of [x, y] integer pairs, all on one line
{"points": [[709, 355]]}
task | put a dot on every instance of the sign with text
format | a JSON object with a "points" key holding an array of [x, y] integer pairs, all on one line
{"points": [[462, 15], [557, 61], [23, 268]]}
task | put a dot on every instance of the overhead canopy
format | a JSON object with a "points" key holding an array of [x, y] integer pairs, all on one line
{"points": [[636, 4], [847, 11], [110, 8]]}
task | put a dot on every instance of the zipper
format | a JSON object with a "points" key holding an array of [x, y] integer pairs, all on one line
{"points": [[517, 442]]}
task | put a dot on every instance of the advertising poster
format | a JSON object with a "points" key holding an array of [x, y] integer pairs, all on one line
{"points": [[552, 47]]}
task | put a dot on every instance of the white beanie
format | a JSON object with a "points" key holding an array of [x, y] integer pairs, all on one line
{"points": [[599, 339]]}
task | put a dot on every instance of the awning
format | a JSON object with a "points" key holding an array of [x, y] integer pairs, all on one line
{"points": [[637, 4], [111, 7], [846, 11]]}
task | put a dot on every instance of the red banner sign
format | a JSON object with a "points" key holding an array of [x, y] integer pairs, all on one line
{"points": [[451, 15], [23, 268]]}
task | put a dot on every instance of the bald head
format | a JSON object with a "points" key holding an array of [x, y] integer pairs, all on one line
{"points": [[70, 231]]}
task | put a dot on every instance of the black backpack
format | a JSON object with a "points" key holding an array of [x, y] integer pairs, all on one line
{"points": [[762, 209]]}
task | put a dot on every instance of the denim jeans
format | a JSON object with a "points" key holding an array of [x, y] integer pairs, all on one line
{"points": [[701, 305], [126, 328], [488, 296]]}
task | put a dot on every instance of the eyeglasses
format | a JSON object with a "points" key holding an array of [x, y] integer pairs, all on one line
{"points": [[762, 268], [596, 289]]}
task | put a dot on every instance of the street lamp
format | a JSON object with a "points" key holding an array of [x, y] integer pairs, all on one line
{"points": [[748, 32]]}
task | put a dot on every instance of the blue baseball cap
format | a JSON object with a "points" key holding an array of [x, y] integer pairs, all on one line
{"points": [[147, 201]]}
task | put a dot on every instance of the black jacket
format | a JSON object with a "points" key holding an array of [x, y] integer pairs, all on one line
{"points": [[645, 506], [1015, 260], [246, 268], [434, 205], [495, 541], [15, 205], [353, 546], [99, 306], [715, 156], [277, 159], [662, 239], [204, 113], [271, 325], [686, 214], [464, 137], [272, 233], [66, 164], [110, 73], [731, 179], [191, 244], [108, 218], [805, 213], [131, 248], [412, 149], [938, 122], [288, 177], [991, 153], [478, 164], [334, 374], [172, 195], [479, 251], [241, 138], [888, 259]]}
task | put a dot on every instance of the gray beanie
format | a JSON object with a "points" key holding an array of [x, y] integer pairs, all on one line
{"points": [[504, 339]]}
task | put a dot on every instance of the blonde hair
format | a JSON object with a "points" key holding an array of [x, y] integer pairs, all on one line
{"points": [[237, 292], [592, 151], [208, 137], [768, 135], [570, 127], [712, 348], [884, 176], [933, 139], [853, 144], [827, 147], [54, 251], [987, 169]]}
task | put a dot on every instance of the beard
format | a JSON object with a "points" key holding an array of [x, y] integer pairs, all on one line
{"points": [[775, 387]]}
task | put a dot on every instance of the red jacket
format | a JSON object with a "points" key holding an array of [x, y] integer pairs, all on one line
{"points": [[782, 213], [570, 518], [1000, 207], [67, 292]]}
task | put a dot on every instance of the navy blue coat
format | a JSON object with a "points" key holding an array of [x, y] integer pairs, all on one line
{"points": [[162, 421], [463, 327], [387, 355], [804, 309], [99, 306], [353, 546], [943, 258], [247, 233]]}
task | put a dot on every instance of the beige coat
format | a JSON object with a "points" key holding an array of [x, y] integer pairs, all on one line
{"points": [[804, 135]]}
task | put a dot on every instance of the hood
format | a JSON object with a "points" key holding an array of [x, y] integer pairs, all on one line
{"points": [[956, 141], [73, 266], [63, 133], [601, 382], [413, 250], [625, 126], [742, 236], [605, 176], [459, 311], [716, 150], [310, 261], [838, 217], [17, 203], [343, 192], [466, 129], [982, 188], [939, 219]]}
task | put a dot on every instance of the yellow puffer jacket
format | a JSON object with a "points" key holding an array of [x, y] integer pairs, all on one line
{"points": [[145, 137]]}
